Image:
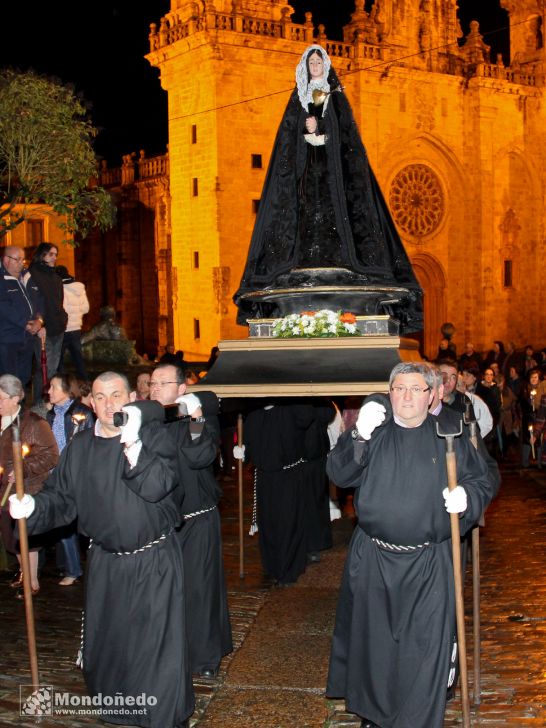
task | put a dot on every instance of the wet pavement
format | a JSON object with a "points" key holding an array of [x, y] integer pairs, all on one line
{"points": [[276, 675]]}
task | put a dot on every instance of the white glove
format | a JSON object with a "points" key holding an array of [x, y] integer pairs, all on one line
{"points": [[190, 401], [21, 508], [456, 500], [129, 432], [371, 415], [239, 452]]}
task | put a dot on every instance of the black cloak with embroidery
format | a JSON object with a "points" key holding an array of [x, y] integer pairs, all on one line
{"points": [[323, 222]]}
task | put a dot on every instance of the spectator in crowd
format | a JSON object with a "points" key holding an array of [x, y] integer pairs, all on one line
{"points": [[21, 315], [143, 386], [537, 436], [470, 356], [76, 306], [41, 457], [446, 350], [513, 359], [528, 403], [490, 393], [67, 417], [42, 269], [496, 354], [169, 356], [469, 383], [190, 377], [214, 353], [529, 361], [508, 422], [85, 393], [514, 380]]}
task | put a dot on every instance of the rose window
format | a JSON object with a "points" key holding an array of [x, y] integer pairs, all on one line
{"points": [[416, 200]]}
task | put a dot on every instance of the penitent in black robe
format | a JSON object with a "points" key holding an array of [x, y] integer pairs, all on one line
{"points": [[274, 441], [395, 620], [207, 616], [134, 638], [323, 220]]}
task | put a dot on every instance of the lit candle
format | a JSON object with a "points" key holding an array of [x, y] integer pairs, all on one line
{"points": [[530, 428], [77, 419], [25, 449]]}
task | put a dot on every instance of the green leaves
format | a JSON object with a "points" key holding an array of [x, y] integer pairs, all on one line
{"points": [[46, 155]]}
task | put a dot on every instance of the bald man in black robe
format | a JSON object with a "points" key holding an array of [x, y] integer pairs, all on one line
{"points": [[121, 485]]}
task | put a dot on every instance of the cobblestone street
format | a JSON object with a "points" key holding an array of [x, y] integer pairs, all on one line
{"points": [[275, 677]]}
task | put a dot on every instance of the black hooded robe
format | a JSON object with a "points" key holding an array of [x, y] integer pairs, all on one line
{"points": [[134, 638], [208, 625], [393, 638]]}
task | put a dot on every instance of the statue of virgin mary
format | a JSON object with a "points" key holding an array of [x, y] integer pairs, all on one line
{"points": [[324, 237]]}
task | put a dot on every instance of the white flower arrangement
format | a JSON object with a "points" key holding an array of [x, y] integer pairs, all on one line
{"points": [[311, 324]]}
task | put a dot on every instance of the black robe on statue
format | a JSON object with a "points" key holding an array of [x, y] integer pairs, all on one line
{"points": [[392, 648], [134, 638], [323, 223]]}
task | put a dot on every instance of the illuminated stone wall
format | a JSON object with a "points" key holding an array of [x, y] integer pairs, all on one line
{"points": [[457, 144]]}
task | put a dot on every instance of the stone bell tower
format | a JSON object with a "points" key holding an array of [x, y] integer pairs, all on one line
{"points": [[228, 67], [527, 31]]}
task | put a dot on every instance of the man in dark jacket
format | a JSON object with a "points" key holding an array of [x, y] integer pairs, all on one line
{"points": [[42, 269], [21, 319]]}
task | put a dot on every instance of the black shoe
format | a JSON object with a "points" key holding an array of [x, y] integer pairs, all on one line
{"points": [[368, 724], [209, 673]]}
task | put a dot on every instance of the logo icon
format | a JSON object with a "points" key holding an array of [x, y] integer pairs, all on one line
{"points": [[35, 700]]}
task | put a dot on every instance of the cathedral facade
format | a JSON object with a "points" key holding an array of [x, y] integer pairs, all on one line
{"points": [[457, 143]]}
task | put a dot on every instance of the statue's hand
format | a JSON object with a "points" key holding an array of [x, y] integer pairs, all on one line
{"points": [[311, 124]]}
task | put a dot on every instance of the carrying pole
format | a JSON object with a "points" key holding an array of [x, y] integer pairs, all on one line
{"points": [[476, 578], [23, 546], [451, 465], [240, 479]]}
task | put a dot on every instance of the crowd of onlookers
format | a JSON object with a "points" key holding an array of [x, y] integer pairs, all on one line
{"points": [[512, 384]]}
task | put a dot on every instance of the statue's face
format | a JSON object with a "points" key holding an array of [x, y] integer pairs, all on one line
{"points": [[316, 65]]}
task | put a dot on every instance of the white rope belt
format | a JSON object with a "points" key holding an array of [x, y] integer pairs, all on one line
{"points": [[187, 516], [398, 547], [137, 551], [293, 465]]}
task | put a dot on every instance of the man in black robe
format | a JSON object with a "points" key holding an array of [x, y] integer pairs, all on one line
{"points": [[208, 628], [316, 484], [393, 638], [275, 444], [121, 485]]}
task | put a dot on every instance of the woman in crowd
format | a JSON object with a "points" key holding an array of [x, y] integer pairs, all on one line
{"points": [[67, 417], [41, 456]]}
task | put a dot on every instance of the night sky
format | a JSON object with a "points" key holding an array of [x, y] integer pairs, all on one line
{"points": [[102, 57]]}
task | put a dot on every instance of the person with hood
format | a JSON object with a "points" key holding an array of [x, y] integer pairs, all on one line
{"points": [[76, 305]]}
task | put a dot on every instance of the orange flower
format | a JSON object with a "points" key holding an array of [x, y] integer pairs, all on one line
{"points": [[307, 313], [347, 318]]}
